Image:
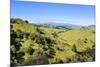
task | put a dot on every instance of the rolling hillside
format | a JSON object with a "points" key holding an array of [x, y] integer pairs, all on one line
{"points": [[85, 37], [39, 44]]}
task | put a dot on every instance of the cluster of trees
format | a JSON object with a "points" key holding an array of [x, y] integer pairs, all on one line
{"points": [[17, 54], [85, 56]]}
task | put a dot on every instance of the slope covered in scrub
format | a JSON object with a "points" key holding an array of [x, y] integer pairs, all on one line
{"points": [[39, 44]]}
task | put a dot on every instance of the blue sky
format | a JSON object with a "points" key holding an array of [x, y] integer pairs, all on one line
{"points": [[38, 12]]}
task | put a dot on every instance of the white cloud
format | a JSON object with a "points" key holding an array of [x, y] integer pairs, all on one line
{"points": [[83, 2]]}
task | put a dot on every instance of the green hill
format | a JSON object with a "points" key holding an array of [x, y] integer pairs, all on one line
{"points": [[82, 38], [32, 44]]}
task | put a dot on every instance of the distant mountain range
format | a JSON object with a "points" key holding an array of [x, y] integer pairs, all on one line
{"points": [[91, 27], [54, 24], [66, 25]]}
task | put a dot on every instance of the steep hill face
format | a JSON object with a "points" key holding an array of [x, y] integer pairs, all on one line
{"points": [[32, 44]]}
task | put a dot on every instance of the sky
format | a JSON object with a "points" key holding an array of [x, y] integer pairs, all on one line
{"points": [[39, 12]]}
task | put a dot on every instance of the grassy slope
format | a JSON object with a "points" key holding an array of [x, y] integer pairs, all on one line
{"points": [[77, 36], [24, 27]]}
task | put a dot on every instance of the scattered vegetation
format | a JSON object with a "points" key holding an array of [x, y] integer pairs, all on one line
{"points": [[40, 44]]}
